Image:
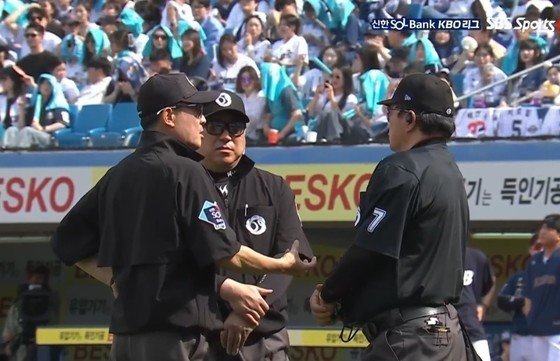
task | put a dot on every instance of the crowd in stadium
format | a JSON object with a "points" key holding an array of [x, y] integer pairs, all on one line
{"points": [[312, 70]]}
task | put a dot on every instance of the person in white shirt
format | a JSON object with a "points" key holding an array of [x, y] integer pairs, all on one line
{"points": [[13, 94], [314, 31], [99, 77], [484, 73], [228, 63], [239, 12], [287, 50], [50, 40], [332, 99], [253, 43], [308, 82], [69, 88], [176, 10], [249, 89]]}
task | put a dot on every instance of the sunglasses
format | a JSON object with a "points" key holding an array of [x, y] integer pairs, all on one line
{"points": [[391, 109], [196, 109], [246, 79], [160, 37], [31, 35], [235, 129]]}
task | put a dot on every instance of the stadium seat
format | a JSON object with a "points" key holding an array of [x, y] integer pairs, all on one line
{"points": [[123, 117], [73, 110], [457, 80], [90, 117], [132, 137]]}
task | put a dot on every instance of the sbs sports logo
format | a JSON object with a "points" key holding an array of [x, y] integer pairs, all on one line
{"points": [[522, 24]]}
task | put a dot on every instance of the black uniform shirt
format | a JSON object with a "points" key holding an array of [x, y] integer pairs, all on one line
{"points": [[153, 218], [261, 209], [411, 232]]}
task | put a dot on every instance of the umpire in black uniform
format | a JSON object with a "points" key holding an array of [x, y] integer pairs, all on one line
{"points": [[154, 227], [260, 208], [405, 269]]}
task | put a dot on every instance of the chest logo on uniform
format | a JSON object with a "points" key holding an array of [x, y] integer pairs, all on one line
{"points": [[223, 189], [211, 213], [256, 225]]}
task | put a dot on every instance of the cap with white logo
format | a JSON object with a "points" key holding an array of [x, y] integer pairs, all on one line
{"points": [[423, 93], [225, 102]]}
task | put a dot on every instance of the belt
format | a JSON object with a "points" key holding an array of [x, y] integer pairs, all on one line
{"points": [[398, 316]]}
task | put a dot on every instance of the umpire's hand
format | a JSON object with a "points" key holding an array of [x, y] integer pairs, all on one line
{"points": [[246, 300], [294, 265], [322, 311], [235, 333]]}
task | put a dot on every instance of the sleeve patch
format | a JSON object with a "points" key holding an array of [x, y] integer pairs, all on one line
{"points": [[378, 215], [211, 213]]}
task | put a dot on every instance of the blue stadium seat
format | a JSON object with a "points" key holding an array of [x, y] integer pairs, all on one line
{"points": [[132, 137], [73, 110], [90, 117], [457, 80], [123, 117]]}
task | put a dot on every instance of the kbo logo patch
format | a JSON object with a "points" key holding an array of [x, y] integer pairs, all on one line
{"points": [[211, 213]]}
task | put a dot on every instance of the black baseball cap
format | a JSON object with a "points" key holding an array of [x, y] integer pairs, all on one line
{"points": [[423, 93], [165, 90], [226, 101]]}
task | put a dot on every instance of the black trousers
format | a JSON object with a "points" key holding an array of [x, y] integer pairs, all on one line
{"points": [[159, 346], [271, 348], [430, 337]]}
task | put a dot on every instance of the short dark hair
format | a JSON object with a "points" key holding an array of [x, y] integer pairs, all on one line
{"points": [[102, 63], [148, 121], [148, 11], [552, 221], [39, 28], [35, 11], [107, 20], [280, 4], [205, 3], [488, 49], [431, 123], [121, 39], [400, 53], [292, 21], [159, 54]]}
